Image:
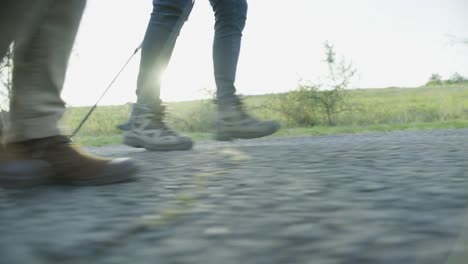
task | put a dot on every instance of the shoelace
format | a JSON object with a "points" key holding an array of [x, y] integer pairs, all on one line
{"points": [[241, 108], [238, 105], [158, 122], [166, 129]]}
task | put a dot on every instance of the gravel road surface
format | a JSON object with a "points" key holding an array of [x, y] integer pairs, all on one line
{"points": [[397, 197]]}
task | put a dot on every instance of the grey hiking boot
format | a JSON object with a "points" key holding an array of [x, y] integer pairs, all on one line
{"points": [[125, 126], [148, 130], [233, 122]]}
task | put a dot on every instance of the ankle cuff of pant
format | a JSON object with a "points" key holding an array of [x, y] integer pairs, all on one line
{"points": [[35, 128], [227, 101], [149, 101]]}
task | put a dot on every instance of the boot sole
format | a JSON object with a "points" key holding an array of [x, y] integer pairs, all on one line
{"points": [[138, 143], [32, 173], [118, 174]]}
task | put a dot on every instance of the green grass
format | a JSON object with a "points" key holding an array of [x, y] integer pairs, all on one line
{"points": [[298, 132], [99, 140], [377, 110], [325, 130]]}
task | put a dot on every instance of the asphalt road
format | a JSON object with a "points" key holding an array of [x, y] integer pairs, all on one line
{"points": [[375, 198]]}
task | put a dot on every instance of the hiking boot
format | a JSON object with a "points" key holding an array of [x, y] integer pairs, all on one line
{"points": [[19, 171], [125, 126], [148, 130], [71, 165], [233, 122]]}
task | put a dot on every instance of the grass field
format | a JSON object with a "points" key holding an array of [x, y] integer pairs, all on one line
{"points": [[375, 110]]}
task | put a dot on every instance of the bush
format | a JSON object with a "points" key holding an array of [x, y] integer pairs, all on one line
{"points": [[435, 79], [311, 102], [456, 78], [198, 116]]}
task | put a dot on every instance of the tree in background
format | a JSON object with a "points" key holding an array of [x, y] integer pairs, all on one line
{"points": [[435, 79], [456, 78]]}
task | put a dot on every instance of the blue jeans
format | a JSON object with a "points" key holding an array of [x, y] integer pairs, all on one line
{"points": [[157, 46]]}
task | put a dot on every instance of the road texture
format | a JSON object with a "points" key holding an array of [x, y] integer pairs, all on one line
{"points": [[374, 198]]}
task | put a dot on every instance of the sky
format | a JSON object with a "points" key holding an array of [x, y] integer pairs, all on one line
{"points": [[390, 43]]}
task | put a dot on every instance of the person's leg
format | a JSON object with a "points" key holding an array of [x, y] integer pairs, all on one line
{"points": [[146, 127], [40, 62], [158, 44], [16, 18], [230, 18], [232, 122]]}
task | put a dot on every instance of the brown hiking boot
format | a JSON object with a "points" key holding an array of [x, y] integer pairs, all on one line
{"points": [[71, 165], [19, 171]]}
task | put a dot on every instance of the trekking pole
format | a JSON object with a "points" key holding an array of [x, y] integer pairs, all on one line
{"points": [[172, 38], [83, 121]]}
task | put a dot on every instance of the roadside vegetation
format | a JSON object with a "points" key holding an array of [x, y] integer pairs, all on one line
{"points": [[312, 108], [373, 110]]}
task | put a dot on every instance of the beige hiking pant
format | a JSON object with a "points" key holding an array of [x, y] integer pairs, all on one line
{"points": [[43, 33]]}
